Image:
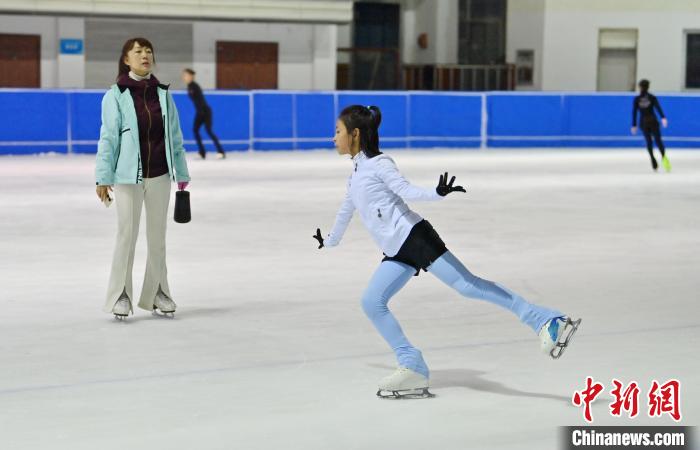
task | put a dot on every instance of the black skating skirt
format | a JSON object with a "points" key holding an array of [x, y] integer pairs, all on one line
{"points": [[422, 247]]}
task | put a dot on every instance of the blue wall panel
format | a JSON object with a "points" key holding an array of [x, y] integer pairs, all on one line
{"points": [[525, 120], [38, 121], [86, 119], [683, 116], [273, 128], [455, 118], [33, 122], [315, 123]]}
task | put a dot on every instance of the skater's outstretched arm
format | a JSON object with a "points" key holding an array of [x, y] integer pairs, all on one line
{"points": [[390, 175], [342, 220], [656, 105], [635, 113]]}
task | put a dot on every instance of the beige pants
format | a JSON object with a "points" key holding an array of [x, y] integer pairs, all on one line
{"points": [[129, 198]]}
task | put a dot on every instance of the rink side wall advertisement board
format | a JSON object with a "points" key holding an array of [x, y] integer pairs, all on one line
{"points": [[68, 121]]}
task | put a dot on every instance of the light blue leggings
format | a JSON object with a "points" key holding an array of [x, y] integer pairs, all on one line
{"points": [[391, 276]]}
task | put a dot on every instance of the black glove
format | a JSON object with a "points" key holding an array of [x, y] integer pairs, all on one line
{"points": [[319, 238], [443, 188]]}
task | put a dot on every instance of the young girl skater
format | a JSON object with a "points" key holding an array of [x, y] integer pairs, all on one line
{"points": [[645, 103], [378, 192]]}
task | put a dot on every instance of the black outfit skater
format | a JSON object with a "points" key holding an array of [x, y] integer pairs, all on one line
{"points": [[202, 117], [645, 104]]}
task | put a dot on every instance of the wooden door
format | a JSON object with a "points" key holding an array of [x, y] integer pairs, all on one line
{"points": [[20, 56], [246, 65]]}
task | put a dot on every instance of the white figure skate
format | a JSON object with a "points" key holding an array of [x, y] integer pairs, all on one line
{"points": [[556, 335], [404, 383], [122, 308], [164, 305]]}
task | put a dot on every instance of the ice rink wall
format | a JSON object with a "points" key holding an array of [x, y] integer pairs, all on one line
{"points": [[68, 121]]}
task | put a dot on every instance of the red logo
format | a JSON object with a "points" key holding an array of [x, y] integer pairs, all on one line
{"points": [[667, 401], [663, 399], [586, 397], [625, 401]]}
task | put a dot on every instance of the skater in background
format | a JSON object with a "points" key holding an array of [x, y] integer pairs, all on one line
{"points": [[644, 104], [139, 154], [378, 192], [203, 115]]}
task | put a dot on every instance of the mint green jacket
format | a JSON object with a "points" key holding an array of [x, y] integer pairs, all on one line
{"points": [[118, 151]]}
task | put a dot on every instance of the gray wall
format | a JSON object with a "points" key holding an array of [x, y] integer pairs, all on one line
{"points": [[104, 39]]}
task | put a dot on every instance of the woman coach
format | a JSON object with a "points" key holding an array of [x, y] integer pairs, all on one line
{"points": [[139, 153]]}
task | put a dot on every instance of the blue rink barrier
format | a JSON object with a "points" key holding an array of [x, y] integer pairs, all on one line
{"points": [[68, 121]]}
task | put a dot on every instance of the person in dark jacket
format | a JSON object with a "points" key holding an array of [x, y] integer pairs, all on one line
{"points": [[203, 114], [646, 104]]}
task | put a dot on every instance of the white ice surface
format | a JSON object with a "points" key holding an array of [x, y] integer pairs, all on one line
{"points": [[270, 348]]}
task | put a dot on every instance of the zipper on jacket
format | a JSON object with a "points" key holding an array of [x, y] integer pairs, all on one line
{"points": [[139, 170], [148, 132], [379, 213]]}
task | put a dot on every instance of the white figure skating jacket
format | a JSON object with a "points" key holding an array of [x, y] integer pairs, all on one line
{"points": [[379, 193]]}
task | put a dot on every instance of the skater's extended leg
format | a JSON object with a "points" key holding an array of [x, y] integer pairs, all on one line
{"points": [[650, 147], [210, 132], [659, 141], [453, 273], [662, 149], [387, 280], [198, 121]]}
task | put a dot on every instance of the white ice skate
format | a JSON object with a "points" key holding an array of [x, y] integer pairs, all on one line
{"points": [[164, 305], [404, 383], [556, 335], [122, 308]]}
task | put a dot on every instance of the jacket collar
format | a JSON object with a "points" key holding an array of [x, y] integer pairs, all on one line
{"points": [[125, 82], [358, 159]]}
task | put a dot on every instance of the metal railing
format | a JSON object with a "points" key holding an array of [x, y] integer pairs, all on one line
{"points": [[457, 77]]}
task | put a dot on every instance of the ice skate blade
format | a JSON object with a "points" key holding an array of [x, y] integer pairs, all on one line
{"points": [[569, 331], [120, 317], [168, 314], [405, 394]]}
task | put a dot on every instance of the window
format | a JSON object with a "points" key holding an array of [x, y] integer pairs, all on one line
{"points": [[482, 32], [692, 61], [525, 63]]}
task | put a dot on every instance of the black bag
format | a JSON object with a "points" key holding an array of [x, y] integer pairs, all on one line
{"points": [[182, 207]]}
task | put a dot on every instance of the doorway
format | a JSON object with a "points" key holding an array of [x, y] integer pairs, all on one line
{"points": [[20, 56], [617, 60], [246, 65]]}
